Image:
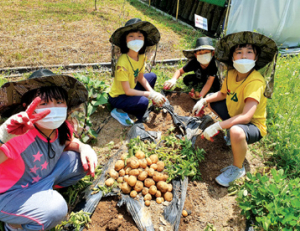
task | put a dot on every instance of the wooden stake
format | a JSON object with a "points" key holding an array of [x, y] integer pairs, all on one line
{"points": [[177, 9], [149, 2]]}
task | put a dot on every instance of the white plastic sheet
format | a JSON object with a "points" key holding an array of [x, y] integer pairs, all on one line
{"points": [[277, 19]]}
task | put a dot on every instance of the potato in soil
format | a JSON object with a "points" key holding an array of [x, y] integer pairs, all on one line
{"points": [[143, 175], [149, 182], [132, 181], [119, 165], [140, 154], [153, 190], [154, 158], [113, 174], [109, 182], [133, 193], [139, 186], [125, 188]]}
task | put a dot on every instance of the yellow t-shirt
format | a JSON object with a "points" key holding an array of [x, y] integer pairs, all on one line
{"points": [[125, 72], [237, 92]]}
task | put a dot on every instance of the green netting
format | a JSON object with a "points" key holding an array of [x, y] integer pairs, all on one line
{"points": [[215, 2]]}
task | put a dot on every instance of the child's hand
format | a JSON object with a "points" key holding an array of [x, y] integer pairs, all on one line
{"points": [[212, 131], [88, 159], [169, 84], [22, 122], [199, 106], [157, 98]]}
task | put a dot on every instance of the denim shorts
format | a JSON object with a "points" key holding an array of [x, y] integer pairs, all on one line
{"points": [[251, 131]]}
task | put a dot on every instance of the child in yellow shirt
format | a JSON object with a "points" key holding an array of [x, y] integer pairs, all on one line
{"points": [[240, 103]]}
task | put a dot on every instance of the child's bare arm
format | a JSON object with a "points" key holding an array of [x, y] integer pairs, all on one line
{"points": [[3, 157], [207, 86], [245, 117]]}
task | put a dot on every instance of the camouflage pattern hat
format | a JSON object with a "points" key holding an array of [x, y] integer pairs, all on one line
{"points": [[11, 93], [202, 43], [267, 47], [153, 35]]}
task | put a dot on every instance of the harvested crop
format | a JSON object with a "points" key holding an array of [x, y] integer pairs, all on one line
{"points": [[143, 163], [153, 190], [147, 197], [127, 170], [139, 186], [151, 172], [140, 170], [184, 213], [119, 165], [149, 182], [122, 172], [120, 180], [158, 193], [145, 191], [170, 187], [140, 154], [125, 187], [160, 166], [154, 166], [132, 180], [143, 175], [154, 158], [124, 156], [134, 164], [162, 186], [109, 182], [113, 174], [158, 177], [149, 161], [125, 178], [168, 196], [134, 172], [147, 203], [165, 177], [133, 193], [159, 200]]}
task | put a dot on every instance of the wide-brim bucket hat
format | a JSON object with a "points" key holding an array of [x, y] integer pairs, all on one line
{"points": [[268, 48], [11, 92], [134, 24], [202, 43]]}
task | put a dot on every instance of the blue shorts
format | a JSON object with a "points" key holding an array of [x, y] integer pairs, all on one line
{"points": [[251, 131]]}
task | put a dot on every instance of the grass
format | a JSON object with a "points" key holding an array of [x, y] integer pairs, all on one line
{"points": [[66, 31]]}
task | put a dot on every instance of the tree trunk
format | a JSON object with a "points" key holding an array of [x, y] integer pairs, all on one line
{"points": [[187, 8], [216, 18], [182, 4], [210, 15], [169, 6], [191, 16], [204, 10], [221, 21]]}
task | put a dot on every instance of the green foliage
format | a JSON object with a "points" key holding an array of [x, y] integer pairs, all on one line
{"points": [[273, 200], [97, 93], [180, 157], [2, 226], [77, 220]]}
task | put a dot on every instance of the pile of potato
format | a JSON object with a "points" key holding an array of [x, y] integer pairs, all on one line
{"points": [[143, 175]]}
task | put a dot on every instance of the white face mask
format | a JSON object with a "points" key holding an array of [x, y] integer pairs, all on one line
{"points": [[243, 65], [54, 119], [204, 59], [135, 45]]}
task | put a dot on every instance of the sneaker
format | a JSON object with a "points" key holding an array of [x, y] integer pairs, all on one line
{"points": [[122, 117], [230, 174], [227, 138]]}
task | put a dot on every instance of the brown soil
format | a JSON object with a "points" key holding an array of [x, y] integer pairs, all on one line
{"points": [[207, 201]]}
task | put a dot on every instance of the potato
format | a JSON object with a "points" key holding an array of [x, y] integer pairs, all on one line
{"points": [[160, 166], [159, 200], [127, 170], [147, 203], [149, 182], [139, 186], [125, 187], [151, 172], [119, 165], [128, 161], [168, 196], [134, 164], [109, 182], [143, 163], [154, 166], [120, 180], [184, 213], [165, 177], [147, 197], [140, 154], [145, 191], [158, 193], [162, 186], [124, 156], [132, 180], [113, 174], [154, 158], [153, 190], [170, 187], [149, 161], [143, 175], [125, 178], [140, 170], [157, 176], [133, 193], [134, 172], [122, 172]]}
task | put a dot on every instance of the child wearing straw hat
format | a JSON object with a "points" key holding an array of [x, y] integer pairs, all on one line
{"points": [[132, 88], [38, 151], [202, 63], [240, 103]]}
